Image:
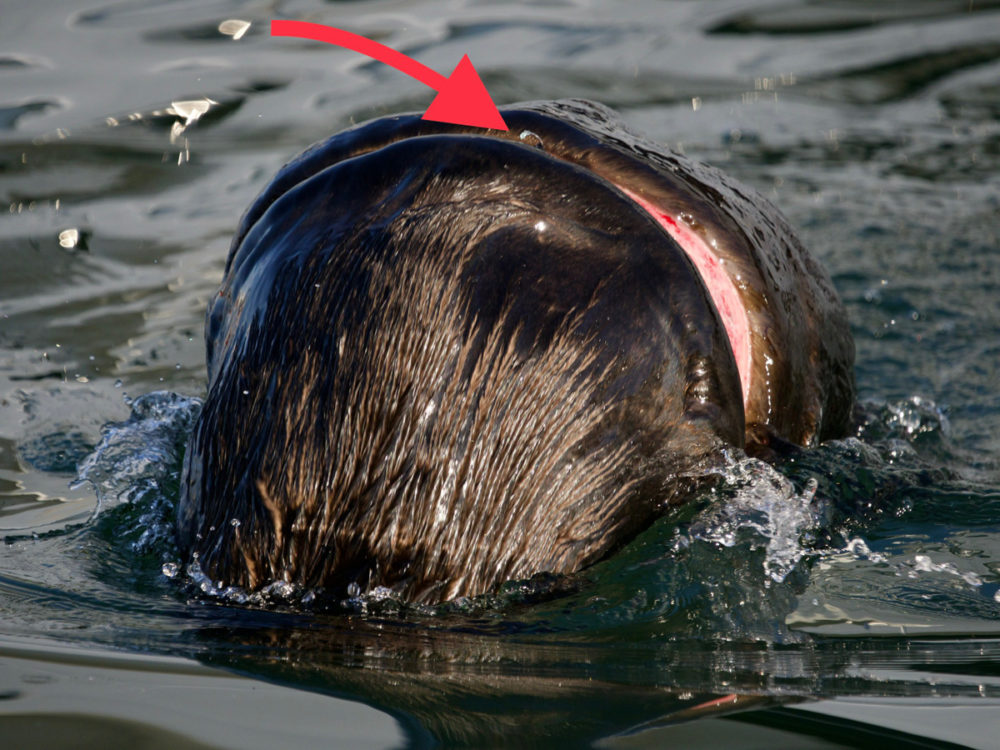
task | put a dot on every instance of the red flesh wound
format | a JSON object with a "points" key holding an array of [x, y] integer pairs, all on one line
{"points": [[716, 279]]}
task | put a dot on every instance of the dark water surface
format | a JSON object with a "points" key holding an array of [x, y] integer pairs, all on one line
{"points": [[865, 573]]}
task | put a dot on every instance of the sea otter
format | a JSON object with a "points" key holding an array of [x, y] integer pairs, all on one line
{"points": [[442, 358]]}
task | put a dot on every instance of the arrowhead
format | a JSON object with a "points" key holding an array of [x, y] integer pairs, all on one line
{"points": [[464, 100]]}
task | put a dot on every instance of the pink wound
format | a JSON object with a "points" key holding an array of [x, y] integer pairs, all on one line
{"points": [[720, 285]]}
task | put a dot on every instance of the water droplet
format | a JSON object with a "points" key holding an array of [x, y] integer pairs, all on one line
{"points": [[68, 238], [234, 27], [531, 139], [190, 109]]}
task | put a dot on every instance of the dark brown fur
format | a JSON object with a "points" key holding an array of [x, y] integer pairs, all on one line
{"points": [[438, 427], [413, 386]]}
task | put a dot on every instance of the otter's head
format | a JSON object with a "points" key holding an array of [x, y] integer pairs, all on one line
{"points": [[442, 359]]}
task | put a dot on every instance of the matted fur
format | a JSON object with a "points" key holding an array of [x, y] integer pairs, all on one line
{"points": [[377, 452], [441, 359]]}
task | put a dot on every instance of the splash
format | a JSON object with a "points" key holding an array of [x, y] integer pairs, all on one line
{"points": [[911, 420], [764, 507], [138, 463]]}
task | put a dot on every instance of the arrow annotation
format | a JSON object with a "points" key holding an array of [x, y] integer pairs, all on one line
{"points": [[462, 98]]}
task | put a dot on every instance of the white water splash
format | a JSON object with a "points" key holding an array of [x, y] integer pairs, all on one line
{"points": [[141, 453], [768, 506], [138, 462]]}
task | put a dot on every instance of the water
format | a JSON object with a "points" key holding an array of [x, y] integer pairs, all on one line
{"points": [[867, 570]]}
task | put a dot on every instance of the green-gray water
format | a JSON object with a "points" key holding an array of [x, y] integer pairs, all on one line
{"points": [[868, 569]]}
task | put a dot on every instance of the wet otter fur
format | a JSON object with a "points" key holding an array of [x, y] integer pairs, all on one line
{"points": [[442, 358]]}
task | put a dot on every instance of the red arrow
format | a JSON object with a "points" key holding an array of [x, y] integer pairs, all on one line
{"points": [[462, 98]]}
